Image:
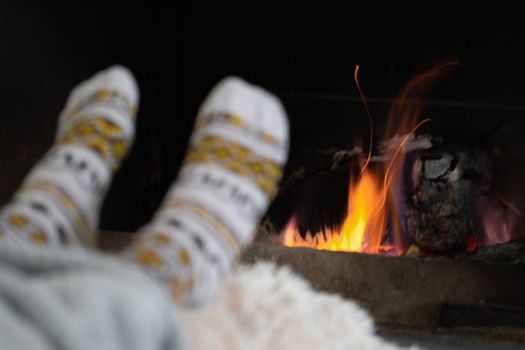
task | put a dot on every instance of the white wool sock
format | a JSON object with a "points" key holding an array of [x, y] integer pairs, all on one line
{"points": [[229, 175], [59, 201]]}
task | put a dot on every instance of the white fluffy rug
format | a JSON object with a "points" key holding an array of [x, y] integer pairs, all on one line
{"points": [[267, 307]]}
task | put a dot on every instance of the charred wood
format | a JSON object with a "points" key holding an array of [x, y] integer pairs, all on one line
{"points": [[442, 212]]}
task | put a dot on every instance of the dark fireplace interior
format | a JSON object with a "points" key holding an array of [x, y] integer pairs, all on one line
{"points": [[473, 142], [178, 52]]}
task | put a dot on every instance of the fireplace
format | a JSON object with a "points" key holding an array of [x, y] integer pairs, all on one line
{"points": [[447, 252], [417, 188]]}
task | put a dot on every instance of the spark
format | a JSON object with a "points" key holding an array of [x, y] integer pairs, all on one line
{"points": [[370, 125]]}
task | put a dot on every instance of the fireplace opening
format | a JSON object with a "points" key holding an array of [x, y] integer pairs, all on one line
{"points": [[415, 190]]}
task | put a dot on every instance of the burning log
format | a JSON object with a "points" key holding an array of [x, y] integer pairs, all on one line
{"points": [[442, 210]]}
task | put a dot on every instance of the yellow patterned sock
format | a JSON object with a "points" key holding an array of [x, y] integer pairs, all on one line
{"points": [[59, 201], [230, 174]]}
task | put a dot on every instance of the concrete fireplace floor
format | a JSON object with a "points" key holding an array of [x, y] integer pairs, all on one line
{"points": [[401, 291]]}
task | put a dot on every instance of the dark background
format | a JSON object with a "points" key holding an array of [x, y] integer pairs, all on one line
{"points": [[306, 54]]}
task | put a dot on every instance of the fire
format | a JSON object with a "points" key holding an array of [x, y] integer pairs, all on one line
{"points": [[372, 197], [365, 217], [363, 228], [376, 196]]}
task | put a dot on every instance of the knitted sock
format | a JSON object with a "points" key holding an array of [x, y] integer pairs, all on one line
{"points": [[59, 201], [229, 175]]}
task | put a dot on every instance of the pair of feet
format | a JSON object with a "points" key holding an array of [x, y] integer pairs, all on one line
{"points": [[230, 173]]}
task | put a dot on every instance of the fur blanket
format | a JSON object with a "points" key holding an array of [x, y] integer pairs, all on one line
{"points": [[265, 307]]}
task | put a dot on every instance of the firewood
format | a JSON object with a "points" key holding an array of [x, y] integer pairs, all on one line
{"points": [[442, 208]]}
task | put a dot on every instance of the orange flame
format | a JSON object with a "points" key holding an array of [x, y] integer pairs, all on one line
{"points": [[361, 230], [370, 125], [371, 201]]}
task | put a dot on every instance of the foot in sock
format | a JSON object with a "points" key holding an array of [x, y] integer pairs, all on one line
{"points": [[229, 175], [59, 201]]}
